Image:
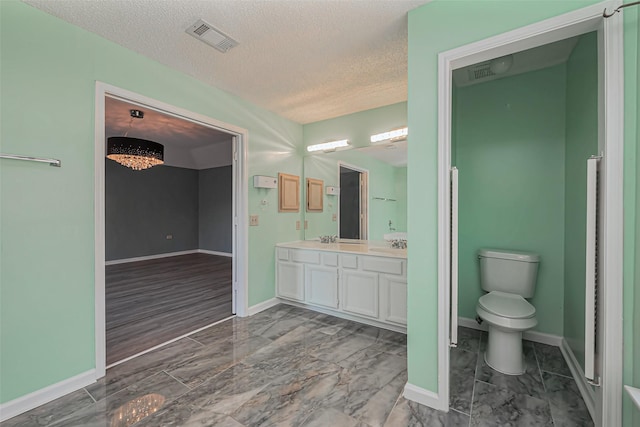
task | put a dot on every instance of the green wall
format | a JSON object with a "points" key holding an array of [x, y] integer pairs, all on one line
{"points": [[581, 143], [48, 71], [385, 181], [440, 26], [510, 155]]}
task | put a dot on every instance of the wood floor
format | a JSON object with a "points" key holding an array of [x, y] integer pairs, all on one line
{"points": [[151, 302]]}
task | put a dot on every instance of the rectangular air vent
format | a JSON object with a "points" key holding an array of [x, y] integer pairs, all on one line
{"points": [[480, 71], [207, 33]]}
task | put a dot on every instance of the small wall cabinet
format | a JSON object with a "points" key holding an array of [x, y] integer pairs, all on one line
{"points": [[288, 193], [314, 195], [370, 289]]}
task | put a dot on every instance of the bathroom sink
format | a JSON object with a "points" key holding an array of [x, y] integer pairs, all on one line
{"points": [[398, 235]]}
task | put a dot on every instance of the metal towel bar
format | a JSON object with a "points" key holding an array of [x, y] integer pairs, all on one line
{"points": [[52, 162]]}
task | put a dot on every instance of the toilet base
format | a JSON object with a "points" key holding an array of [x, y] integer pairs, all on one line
{"points": [[504, 351]]}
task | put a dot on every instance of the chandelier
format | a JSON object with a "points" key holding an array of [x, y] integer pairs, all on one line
{"points": [[135, 153]]}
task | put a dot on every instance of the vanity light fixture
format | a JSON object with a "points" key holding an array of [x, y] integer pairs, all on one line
{"points": [[391, 136], [327, 146]]}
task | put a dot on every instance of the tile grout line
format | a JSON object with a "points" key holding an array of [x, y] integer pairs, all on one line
{"points": [[92, 398], [475, 375], [190, 388], [544, 386], [196, 341]]}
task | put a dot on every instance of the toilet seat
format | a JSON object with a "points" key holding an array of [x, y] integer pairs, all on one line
{"points": [[506, 305]]}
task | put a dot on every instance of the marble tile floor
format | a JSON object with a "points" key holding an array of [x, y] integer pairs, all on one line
{"points": [[289, 366]]}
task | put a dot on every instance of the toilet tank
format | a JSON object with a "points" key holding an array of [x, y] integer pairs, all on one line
{"points": [[508, 271]]}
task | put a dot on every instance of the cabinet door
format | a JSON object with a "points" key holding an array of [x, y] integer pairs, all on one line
{"points": [[360, 293], [394, 299], [290, 280], [322, 285]]}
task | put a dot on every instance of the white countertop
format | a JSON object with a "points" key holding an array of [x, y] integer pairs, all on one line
{"points": [[363, 248]]}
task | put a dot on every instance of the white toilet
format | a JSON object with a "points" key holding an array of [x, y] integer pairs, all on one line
{"points": [[509, 277]]}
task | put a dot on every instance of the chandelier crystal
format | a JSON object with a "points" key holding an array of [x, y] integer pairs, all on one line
{"points": [[135, 153]]}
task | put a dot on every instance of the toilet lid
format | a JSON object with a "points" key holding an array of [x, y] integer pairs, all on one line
{"points": [[506, 305]]}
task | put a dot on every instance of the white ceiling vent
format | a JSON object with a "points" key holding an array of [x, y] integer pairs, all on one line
{"points": [[207, 33]]}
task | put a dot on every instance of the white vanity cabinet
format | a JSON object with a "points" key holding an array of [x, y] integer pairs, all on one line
{"points": [[321, 281], [371, 289]]}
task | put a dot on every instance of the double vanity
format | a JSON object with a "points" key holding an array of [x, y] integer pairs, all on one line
{"points": [[358, 280]]}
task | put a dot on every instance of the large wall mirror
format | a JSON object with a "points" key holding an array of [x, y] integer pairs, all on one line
{"points": [[372, 199]]}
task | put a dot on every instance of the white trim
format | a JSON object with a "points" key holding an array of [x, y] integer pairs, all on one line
{"points": [[188, 334], [99, 233], [166, 255], [262, 306], [47, 394], [634, 394], [586, 390], [613, 224], [535, 336], [208, 252], [149, 257], [560, 27], [240, 203], [424, 397]]}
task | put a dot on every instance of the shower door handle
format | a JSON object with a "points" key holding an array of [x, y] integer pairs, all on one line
{"points": [[591, 274], [454, 259]]}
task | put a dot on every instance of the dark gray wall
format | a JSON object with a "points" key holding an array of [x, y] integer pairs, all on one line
{"points": [[216, 209], [142, 207]]}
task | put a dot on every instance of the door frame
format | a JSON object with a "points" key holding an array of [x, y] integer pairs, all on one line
{"points": [[364, 198], [240, 230], [611, 113]]}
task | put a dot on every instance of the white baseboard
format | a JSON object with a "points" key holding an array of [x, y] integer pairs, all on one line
{"points": [[167, 255], [425, 397], [343, 315], [534, 336], [634, 394], [205, 251], [45, 395], [586, 391], [255, 309], [146, 258]]}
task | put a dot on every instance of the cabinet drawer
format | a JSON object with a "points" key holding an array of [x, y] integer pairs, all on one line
{"points": [[349, 261], [282, 254], [330, 259], [382, 265], [307, 257]]}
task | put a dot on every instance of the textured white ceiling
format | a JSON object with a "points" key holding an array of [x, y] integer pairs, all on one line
{"points": [[307, 60]]}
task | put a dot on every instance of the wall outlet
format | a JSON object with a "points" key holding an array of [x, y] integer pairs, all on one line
{"points": [[297, 225], [169, 236], [334, 217], [253, 220]]}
